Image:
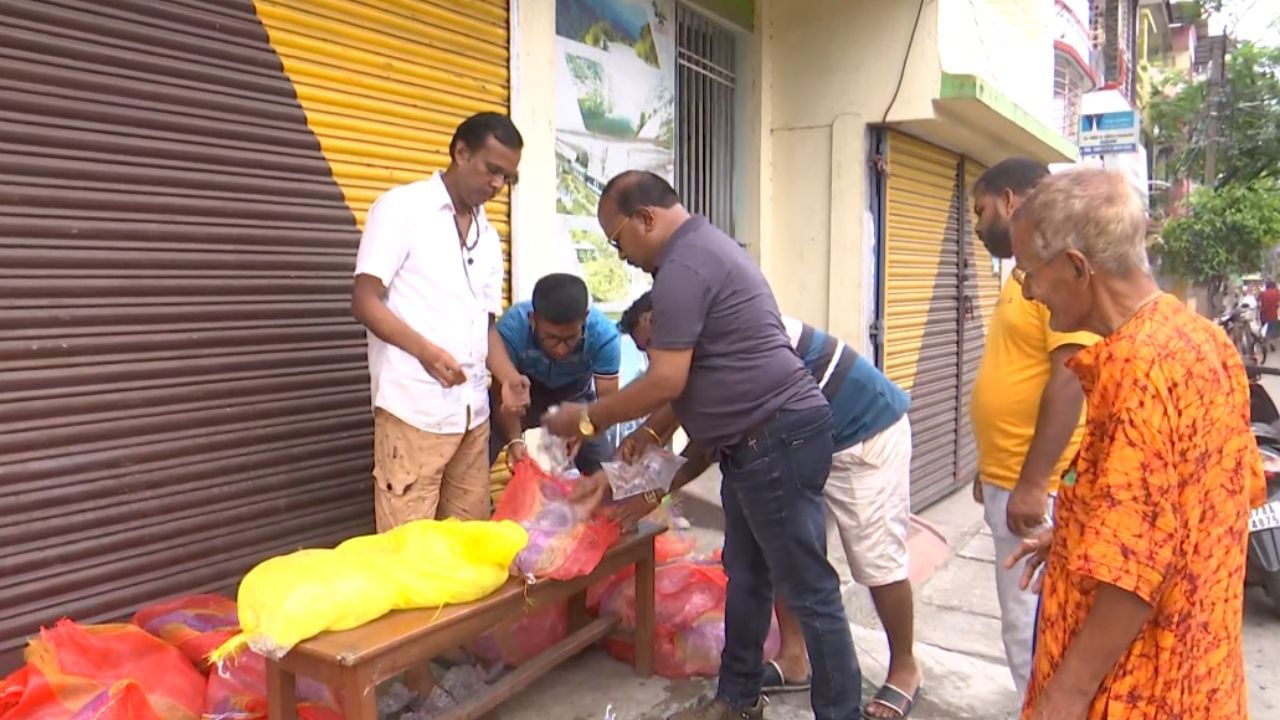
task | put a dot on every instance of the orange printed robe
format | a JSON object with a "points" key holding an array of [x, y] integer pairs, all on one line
{"points": [[1157, 504]]}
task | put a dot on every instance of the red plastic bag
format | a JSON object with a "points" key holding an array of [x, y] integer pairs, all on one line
{"points": [[689, 608], [238, 691], [565, 541], [516, 642], [196, 624], [70, 667]]}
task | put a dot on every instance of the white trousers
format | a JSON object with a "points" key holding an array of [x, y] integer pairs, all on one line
{"points": [[1017, 606]]}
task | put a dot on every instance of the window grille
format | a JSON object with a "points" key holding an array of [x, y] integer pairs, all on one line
{"points": [[705, 83]]}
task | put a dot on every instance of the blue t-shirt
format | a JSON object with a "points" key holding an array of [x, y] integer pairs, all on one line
{"points": [[599, 353], [864, 402]]}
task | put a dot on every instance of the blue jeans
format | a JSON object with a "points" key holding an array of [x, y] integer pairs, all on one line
{"points": [[775, 534]]}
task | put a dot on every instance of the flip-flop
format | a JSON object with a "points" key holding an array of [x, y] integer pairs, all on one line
{"points": [[775, 682], [894, 699]]}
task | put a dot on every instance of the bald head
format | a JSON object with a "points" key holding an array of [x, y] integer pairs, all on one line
{"points": [[638, 212], [635, 189], [1092, 211]]}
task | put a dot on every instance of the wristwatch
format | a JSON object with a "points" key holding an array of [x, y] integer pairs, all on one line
{"points": [[585, 427]]}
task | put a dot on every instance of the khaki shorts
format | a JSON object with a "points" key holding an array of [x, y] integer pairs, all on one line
{"points": [[419, 475], [869, 500]]}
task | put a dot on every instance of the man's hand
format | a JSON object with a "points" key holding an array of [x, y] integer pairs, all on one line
{"points": [[515, 395], [633, 447], [565, 420], [1036, 550], [516, 451], [440, 365], [977, 489], [588, 493], [634, 509], [1054, 704], [1028, 509]]}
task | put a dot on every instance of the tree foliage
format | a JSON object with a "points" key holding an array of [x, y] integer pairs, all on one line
{"points": [[1248, 140], [1226, 231]]}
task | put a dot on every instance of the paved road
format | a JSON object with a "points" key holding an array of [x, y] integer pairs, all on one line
{"points": [[1262, 632]]}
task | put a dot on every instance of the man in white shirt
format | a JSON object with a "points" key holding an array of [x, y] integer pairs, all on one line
{"points": [[428, 283]]}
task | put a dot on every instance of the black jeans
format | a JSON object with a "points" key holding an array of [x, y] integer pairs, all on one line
{"points": [[775, 535], [594, 450]]}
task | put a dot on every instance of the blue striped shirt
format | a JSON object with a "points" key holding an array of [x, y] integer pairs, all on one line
{"points": [[864, 402]]}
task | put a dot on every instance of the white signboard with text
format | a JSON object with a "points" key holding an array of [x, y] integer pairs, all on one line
{"points": [[1109, 132]]}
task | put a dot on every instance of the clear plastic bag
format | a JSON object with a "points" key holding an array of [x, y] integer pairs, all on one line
{"points": [[653, 471], [552, 452]]}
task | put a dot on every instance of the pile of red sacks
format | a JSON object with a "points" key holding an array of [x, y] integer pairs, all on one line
{"points": [[689, 637], [152, 669], [690, 590]]}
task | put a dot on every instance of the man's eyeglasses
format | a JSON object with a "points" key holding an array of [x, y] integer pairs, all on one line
{"points": [[508, 179], [613, 238], [1021, 275]]}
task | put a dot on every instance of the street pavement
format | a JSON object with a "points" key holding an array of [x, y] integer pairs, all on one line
{"points": [[1262, 627], [957, 633]]}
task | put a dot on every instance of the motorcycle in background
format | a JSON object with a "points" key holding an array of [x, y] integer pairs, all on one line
{"points": [[1263, 567], [1243, 325]]}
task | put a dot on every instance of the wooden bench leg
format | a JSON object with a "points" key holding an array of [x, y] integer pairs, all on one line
{"points": [[419, 679], [282, 694], [359, 695], [645, 611], [578, 616]]}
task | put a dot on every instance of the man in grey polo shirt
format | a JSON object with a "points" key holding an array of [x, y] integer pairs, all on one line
{"points": [[721, 356]]}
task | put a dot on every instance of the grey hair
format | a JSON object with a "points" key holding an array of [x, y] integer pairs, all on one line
{"points": [[1094, 212]]}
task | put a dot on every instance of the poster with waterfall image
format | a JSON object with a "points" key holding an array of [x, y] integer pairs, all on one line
{"points": [[615, 111]]}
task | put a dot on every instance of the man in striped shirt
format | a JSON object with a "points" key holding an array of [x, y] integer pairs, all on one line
{"points": [[868, 496]]}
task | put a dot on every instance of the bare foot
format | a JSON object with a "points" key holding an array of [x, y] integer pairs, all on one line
{"points": [[905, 675]]}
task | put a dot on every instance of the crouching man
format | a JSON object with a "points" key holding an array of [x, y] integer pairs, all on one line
{"points": [[569, 351]]}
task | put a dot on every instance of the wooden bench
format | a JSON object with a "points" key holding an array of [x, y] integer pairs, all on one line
{"points": [[354, 662]]}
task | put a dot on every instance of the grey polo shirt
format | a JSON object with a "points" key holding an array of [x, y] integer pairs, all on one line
{"points": [[709, 296]]}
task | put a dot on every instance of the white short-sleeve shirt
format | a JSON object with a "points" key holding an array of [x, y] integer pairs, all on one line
{"points": [[443, 291]]}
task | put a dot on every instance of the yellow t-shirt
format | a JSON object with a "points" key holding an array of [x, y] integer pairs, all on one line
{"points": [[1006, 395]]}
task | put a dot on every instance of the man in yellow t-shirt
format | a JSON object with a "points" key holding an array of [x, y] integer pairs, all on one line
{"points": [[1027, 409]]}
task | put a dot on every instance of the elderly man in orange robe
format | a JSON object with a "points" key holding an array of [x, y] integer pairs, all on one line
{"points": [[1142, 590]]}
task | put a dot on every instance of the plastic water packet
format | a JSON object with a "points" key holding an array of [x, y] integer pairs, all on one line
{"points": [[552, 453], [653, 471]]}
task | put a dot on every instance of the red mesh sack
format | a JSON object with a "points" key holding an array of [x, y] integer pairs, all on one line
{"points": [[533, 631], [237, 690], [123, 701], [71, 666], [196, 624], [565, 540], [674, 544], [689, 609]]}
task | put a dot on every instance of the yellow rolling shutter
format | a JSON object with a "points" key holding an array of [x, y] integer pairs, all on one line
{"points": [[981, 290], [921, 297], [384, 83]]}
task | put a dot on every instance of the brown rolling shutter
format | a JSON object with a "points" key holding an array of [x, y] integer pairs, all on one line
{"points": [[182, 390]]}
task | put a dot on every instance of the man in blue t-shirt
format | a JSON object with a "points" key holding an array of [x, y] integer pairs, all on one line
{"points": [[570, 352], [868, 494]]}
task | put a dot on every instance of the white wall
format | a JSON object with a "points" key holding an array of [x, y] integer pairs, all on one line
{"points": [[812, 79], [1008, 43], [831, 69], [533, 208]]}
